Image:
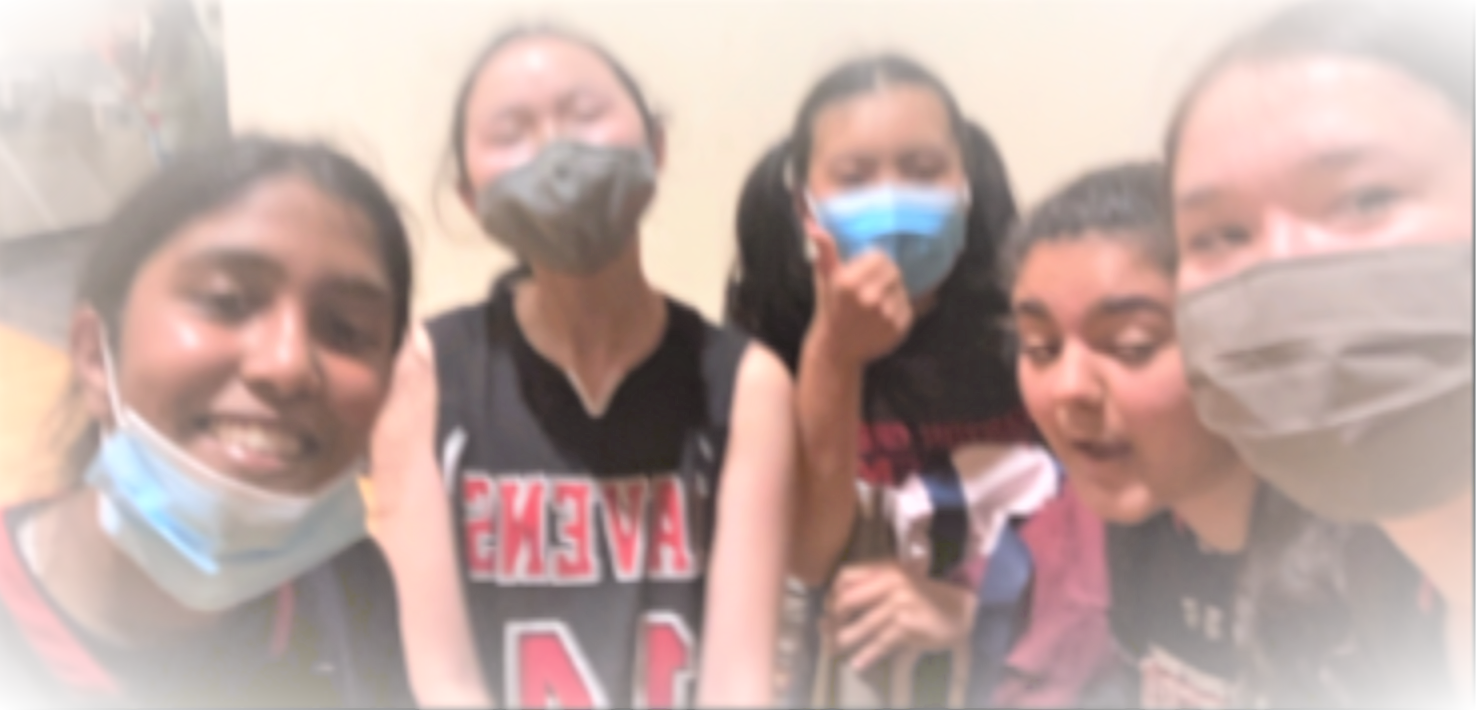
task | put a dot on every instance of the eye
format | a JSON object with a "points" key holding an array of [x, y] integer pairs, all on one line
{"points": [[225, 304], [588, 111], [343, 334], [1134, 354], [1366, 202], [923, 169], [1217, 240], [1039, 352]]}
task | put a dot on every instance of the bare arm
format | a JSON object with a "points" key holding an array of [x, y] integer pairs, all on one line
{"points": [[862, 312], [411, 520], [745, 577], [828, 405]]}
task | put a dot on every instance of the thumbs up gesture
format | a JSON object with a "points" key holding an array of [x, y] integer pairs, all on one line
{"points": [[862, 310]]}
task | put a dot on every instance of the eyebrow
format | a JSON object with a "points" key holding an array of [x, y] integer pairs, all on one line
{"points": [[1122, 305], [232, 258], [1032, 308], [1327, 160], [354, 286]]}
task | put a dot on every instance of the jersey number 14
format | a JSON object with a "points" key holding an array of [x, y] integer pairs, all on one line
{"points": [[547, 668]]}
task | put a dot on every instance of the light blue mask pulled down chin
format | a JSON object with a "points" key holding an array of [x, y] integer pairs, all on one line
{"points": [[920, 228], [210, 541]]}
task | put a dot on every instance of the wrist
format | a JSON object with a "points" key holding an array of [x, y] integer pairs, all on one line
{"points": [[825, 347]]}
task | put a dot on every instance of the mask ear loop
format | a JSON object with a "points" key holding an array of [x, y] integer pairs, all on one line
{"points": [[110, 376], [807, 246]]}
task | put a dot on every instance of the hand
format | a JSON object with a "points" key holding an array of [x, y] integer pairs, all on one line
{"points": [[862, 310], [877, 608], [404, 434]]}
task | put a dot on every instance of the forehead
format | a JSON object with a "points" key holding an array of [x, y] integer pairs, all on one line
{"points": [[1081, 269], [1265, 116], [290, 221], [541, 65], [903, 112]]}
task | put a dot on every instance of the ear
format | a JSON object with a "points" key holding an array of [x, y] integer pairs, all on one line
{"points": [[808, 221], [658, 143], [88, 366], [464, 192]]}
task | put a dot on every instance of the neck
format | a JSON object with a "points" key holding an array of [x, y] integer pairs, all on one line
{"points": [[1220, 516], [1438, 542], [595, 328], [95, 583]]}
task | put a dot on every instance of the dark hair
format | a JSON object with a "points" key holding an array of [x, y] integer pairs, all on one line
{"points": [[771, 293], [1430, 42], [197, 184], [1127, 202], [649, 118]]}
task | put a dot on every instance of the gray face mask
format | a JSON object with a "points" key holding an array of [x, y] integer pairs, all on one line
{"points": [[1344, 380], [574, 208]]}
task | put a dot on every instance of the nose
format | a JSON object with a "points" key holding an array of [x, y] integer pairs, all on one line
{"points": [[1077, 388], [1285, 236], [281, 360]]}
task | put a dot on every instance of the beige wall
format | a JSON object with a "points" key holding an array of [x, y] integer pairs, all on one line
{"points": [[1062, 84]]}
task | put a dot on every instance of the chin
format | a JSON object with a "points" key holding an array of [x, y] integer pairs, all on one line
{"points": [[1121, 507]]}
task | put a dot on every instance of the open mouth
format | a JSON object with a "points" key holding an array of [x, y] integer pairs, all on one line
{"points": [[1103, 452], [260, 444]]}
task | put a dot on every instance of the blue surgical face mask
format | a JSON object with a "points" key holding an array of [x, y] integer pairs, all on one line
{"points": [[210, 541], [920, 228]]}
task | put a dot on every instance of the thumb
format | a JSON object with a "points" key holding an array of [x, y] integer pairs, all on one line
{"points": [[826, 257]]}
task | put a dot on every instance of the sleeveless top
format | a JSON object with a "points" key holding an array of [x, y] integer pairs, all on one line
{"points": [[330, 638], [582, 540]]}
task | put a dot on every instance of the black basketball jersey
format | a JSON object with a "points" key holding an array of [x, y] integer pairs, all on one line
{"points": [[583, 541]]}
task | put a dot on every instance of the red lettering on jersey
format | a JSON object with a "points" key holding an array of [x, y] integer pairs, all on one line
{"points": [[479, 496], [546, 668], [892, 436], [667, 647], [624, 505], [523, 532], [573, 560], [671, 550], [877, 471]]}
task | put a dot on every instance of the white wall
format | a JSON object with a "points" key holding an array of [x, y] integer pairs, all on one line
{"points": [[1064, 85]]}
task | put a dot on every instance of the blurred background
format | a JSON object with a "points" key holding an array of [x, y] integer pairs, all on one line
{"points": [[96, 93]]}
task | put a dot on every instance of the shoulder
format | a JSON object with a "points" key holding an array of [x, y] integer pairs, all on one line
{"points": [[473, 322], [717, 344]]}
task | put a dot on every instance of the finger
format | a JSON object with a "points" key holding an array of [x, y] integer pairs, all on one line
{"points": [[862, 595], [874, 265], [879, 647], [873, 621], [827, 256], [874, 293], [856, 572], [897, 311]]}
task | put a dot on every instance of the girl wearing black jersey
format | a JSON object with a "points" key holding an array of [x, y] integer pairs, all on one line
{"points": [[617, 470]]}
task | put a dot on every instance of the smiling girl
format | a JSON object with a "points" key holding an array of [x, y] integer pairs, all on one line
{"points": [[232, 342]]}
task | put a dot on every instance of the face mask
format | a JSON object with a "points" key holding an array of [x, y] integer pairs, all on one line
{"points": [[920, 228], [1344, 380], [210, 541], [574, 208]]}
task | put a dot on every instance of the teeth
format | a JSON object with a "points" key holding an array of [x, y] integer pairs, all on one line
{"points": [[256, 439]]}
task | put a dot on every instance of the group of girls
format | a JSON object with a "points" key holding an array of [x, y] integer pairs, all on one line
{"points": [[1192, 432]]}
